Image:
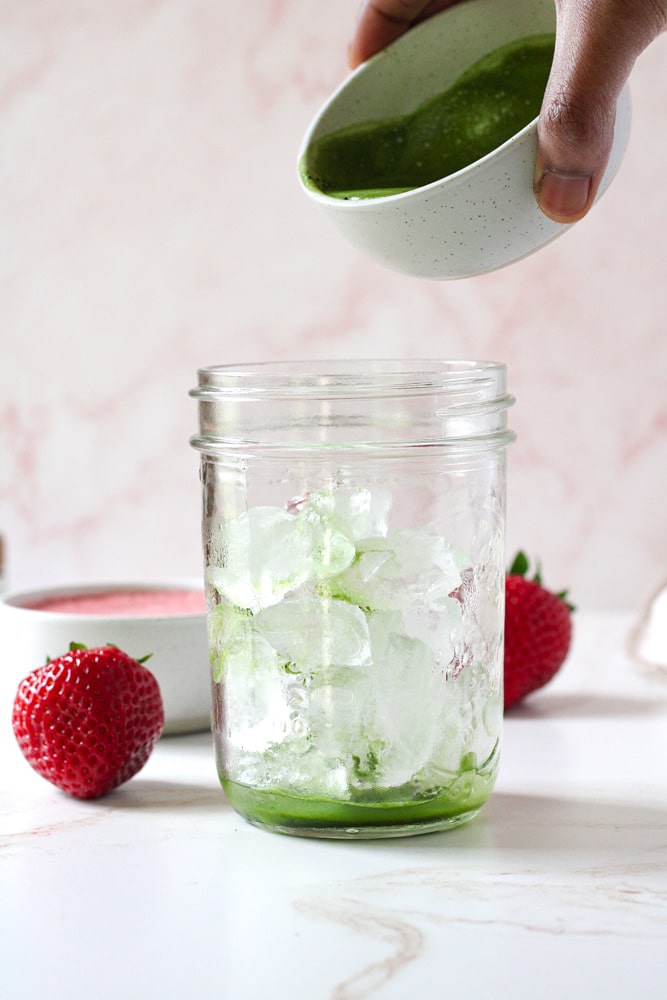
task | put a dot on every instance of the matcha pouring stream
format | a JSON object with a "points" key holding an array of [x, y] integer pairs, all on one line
{"points": [[353, 536]]}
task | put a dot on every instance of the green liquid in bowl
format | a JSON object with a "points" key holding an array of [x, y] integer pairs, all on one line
{"points": [[493, 100]]}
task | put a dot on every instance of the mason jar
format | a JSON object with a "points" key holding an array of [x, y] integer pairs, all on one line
{"points": [[353, 536]]}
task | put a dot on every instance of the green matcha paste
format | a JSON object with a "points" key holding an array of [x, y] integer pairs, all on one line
{"points": [[492, 101]]}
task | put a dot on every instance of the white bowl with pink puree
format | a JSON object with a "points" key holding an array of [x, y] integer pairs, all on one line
{"points": [[167, 620]]}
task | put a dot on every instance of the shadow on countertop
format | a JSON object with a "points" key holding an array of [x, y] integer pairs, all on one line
{"points": [[583, 705]]}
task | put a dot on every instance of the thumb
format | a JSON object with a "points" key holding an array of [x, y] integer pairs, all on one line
{"points": [[596, 46]]}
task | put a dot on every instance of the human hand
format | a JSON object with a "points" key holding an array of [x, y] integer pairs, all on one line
{"points": [[597, 43]]}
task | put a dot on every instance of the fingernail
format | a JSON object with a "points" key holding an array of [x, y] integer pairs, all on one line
{"points": [[562, 196]]}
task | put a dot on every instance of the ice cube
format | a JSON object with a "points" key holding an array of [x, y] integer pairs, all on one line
{"points": [[313, 632], [268, 553], [256, 714], [405, 708], [332, 549], [415, 550], [438, 624], [232, 587], [406, 569], [356, 512], [314, 774], [229, 638], [338, 711]]}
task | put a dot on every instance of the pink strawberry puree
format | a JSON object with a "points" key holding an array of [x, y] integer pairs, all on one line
{"points": [[126, 603]]}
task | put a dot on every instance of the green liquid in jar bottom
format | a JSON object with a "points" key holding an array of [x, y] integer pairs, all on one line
{"points": [[492, 101], [381, 813]]}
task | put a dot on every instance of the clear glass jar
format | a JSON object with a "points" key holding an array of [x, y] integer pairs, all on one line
{"points": [[353, 532]]}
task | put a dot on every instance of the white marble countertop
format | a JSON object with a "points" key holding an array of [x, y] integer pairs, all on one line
{"points": [[558, 888]]}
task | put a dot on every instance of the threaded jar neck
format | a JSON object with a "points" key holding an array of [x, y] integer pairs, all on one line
{"points": [[352, 404]]}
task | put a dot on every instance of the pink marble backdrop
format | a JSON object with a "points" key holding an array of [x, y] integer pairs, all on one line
{"points": [[151, 223]]}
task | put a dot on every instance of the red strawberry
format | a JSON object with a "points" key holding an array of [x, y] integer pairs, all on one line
{"points": [[538, 631], [88, 721]]}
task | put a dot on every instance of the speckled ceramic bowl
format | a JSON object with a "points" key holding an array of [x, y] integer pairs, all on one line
{"points": [[162, 619], [479, 218]]}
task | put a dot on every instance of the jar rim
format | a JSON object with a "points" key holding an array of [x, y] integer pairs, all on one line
{"points": [[340, 378]]}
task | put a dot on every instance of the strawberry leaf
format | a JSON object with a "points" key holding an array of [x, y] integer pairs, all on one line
{"points": [[568, 604], [538, 574], [520, 568], [136, 659], [520, 565], [73, 646]]}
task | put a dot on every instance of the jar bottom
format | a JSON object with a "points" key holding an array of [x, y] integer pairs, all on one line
{"points": [[280, 812], [369, 832]]}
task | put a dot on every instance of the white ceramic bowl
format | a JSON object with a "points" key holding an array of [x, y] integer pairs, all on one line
{"points": [[475, 220], [177, 642]]}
